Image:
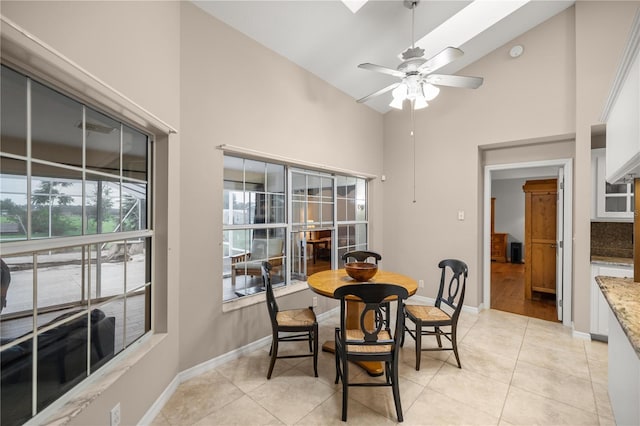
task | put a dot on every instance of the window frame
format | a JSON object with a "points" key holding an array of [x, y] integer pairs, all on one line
{"points": [[34, 246], [292, 167]]}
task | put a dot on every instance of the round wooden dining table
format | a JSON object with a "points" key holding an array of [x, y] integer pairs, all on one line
{"points": [[326, 283]]}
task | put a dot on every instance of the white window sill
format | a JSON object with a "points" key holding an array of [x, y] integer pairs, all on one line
{"points": [[254, 299]]}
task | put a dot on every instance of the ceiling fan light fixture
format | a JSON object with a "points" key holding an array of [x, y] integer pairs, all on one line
{"points": [[400, 92], [420, 103], [430, 91], [397, 103]]}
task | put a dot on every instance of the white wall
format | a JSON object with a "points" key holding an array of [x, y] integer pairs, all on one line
{"points": [[509, 210]]}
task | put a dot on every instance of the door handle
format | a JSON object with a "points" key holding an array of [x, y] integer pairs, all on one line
{"points": [[554, 245]]}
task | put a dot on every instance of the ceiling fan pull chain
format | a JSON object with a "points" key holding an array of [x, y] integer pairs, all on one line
{"points": [[413, 139]]}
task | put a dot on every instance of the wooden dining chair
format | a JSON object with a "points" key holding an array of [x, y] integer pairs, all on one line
{"points": [[372, 340], [363, 256], [292, 325], [430, 320]]}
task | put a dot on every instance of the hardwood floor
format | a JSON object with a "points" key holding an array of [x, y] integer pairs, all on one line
{"points": [[507, 293]]}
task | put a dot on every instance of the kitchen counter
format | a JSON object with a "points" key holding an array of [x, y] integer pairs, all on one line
{"points": [[623, 296], [608, 260]]}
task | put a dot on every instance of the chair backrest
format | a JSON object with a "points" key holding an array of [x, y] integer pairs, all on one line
{"points": [[263, 248], [373, 296], [361, 256], [272, 305], [453, 281]]}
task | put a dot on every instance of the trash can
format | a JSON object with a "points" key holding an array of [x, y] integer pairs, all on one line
{"points": [[516, 252]]}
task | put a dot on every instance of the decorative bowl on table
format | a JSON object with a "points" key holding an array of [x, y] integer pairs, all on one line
{"points": [[361, 271]]}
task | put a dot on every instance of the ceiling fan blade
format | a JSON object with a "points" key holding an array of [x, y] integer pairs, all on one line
{"points": [[455, 81], [380, 68], [379, 92], [440, 59]]}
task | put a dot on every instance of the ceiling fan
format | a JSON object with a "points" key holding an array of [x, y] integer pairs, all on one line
{"points": [[418, 83]]}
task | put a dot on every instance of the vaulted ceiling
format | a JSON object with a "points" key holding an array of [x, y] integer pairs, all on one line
{"points": [[329, 40]]}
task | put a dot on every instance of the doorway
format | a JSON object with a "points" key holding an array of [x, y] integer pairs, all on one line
{"points": [[503, 281]]}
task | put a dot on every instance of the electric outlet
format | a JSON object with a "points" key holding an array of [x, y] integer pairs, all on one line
{"points": [[315, 301], [421, 283], [115, 415]]}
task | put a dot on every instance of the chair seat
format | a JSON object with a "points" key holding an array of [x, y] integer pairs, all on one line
{"points": [[296, 317], [427, 313], [358, 335]]}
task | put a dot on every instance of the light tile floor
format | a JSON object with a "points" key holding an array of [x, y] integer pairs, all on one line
{"points": [[515, 371]]}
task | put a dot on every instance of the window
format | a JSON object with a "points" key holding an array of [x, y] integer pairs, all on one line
{"points": [[352, 214], [254, 224], [288, 216], [76, 242]]}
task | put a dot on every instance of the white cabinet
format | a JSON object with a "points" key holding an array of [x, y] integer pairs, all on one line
{"points": [[599, 306], [622, 115], [610, 201], [624, 376]]}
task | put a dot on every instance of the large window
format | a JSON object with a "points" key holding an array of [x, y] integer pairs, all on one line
{"points": [[299, 220], [75, 240]]}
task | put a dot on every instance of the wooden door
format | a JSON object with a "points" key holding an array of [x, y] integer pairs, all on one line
{"points": [[540, 236]]}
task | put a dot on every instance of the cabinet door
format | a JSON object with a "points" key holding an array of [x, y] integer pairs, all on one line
{"points": [[543, 267], [623, 130], [543, 242], [613, 201], [599, 305]]}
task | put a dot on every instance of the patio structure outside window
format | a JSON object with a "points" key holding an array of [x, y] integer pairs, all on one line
{"points": [[298, 219], [76, 238]]}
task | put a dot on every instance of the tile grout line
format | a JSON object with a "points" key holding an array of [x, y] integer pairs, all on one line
{"points": [[514, 371], [593, 391]]}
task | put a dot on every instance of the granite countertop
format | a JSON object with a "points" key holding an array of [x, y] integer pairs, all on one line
{"points": [[609, 260], [623, 296]]}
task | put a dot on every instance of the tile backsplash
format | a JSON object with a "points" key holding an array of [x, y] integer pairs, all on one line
{"points": [[612, 239]]}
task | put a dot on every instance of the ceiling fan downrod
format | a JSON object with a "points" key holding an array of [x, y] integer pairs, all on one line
{"points": [[412, 4]]}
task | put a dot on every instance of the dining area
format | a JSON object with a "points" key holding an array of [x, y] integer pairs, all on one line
{"points": [[506, 377], [372, 320]]}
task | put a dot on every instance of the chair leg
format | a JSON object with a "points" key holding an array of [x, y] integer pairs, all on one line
{"points": [[454, 342], [336, 355], [418, 344], [345, 388], [310, 341], [315, 350], [395, 386], [274, 355]]}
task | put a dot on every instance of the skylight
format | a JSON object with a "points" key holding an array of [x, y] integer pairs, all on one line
{"points": [[468, 23]]}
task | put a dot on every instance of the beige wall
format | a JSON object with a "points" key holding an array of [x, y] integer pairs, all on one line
{"points": [[602, 30], [236, 92], [133, 47], [552, 92], [219, 87], [515, 102]]}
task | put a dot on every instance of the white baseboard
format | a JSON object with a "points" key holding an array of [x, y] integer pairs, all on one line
{"points": [[164, 397], [206, 366], [581, 335]]}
